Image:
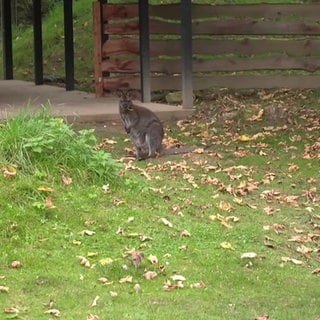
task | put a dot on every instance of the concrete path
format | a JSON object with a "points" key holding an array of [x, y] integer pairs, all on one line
{"points": [[76, 106]]}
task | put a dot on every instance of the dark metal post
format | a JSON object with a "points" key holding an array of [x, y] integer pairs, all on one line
{"points": [[186, 39], [68, 44], [144, 50], [37, 42], [7, 59]]}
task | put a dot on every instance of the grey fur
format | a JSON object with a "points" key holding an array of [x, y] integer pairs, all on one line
{"points": [[145, 130]]}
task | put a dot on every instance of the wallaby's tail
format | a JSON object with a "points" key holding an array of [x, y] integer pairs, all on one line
{"points": [[181, 150]]}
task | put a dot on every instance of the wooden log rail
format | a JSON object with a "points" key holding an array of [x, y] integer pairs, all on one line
{"points": [[234, 46]]}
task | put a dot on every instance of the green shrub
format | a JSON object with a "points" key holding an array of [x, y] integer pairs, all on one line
{"points": [[39, 142]]}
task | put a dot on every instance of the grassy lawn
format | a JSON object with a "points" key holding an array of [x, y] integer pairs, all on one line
{"points": [[228, 232]]}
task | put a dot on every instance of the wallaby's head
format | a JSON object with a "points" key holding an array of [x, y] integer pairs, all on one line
{"points": [[125, 103]]}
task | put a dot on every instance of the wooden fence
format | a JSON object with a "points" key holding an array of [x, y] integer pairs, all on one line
{"points": [[233, 46]]}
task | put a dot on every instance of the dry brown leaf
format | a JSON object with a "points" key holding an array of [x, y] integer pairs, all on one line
{"points": [[55, 312], [11, 310], [4, 289], [9, 171], [149, 275], [15, 264], [126, 279], [49, 203]]}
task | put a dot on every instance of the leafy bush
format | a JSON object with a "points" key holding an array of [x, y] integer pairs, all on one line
{"points": [[22, 10], [39, 142]]}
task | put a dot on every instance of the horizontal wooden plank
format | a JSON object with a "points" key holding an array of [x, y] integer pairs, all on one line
{"points": [[257, 10], [256, 46], [310, 64], [252, 27], [119, 11], [121, 66], [225, 27], [257, 81], [214, 46], [225, 81], [203, 11], [119, 46]]}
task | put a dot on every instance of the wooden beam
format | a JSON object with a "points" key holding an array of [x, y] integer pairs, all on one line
{"points": [[68, 44], [97, 48], [186, 39], [7, 59], [144, 50], [37, 43]]}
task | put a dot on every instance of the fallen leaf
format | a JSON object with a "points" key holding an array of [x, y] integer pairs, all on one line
{"points": [[149, 275], [226, 245], [9, 171], [198, 285], [11, 310], [113, 294], [105, 261], [4, 289], [304, 250], [49, 204], [263, 317], [126, 279], [185, 233], [168, 286], [45, 188], [224, 206], [95, 301], [166, 222], [66, 179], [178, 277], [153, 259], [137, 287], [15, 264], [54, 312], [92, 317], [85, 262], [248, 255], [87, 232]]}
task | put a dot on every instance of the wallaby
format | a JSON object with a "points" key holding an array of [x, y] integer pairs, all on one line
{"points": [[145, 130]]}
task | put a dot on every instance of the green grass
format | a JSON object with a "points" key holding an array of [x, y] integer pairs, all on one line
{"points": [[186, 190]]}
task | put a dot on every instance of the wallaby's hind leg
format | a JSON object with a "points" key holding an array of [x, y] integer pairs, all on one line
{"points": [[153, 144]]}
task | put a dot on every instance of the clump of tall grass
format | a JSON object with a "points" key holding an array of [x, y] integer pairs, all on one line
{"points": [[39, 142]]}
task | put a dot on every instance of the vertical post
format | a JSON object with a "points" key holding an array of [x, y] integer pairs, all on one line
{"points": [[144, 50], [37, 42], [7, 59], [97, 47], [68, 44], [186, 40]]}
